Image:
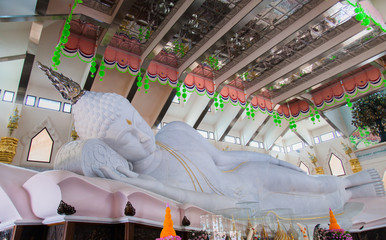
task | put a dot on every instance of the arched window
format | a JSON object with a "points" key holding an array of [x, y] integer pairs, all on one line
{"points": [[336, 166], [41, 147], [304, 167]]}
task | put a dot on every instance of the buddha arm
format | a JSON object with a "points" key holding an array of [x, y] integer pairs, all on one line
{"points": [[227, 160]]}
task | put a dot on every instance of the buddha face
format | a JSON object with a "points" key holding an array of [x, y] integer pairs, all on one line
{"points": [[131, 136]]}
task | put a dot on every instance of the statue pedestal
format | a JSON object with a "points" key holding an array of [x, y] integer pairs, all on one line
{"points": [[355, 165], [7, 149], [319, 170]]}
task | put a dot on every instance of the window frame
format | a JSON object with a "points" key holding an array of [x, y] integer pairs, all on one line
{"points": [[26, 99], [4, 94], [341, 163], [301, 143], [202, 132], [60, 104], [52, 146], [325, 134], [228, 137], [308, 169], [66, 104]]}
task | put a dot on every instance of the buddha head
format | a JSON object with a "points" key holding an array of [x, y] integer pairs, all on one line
{"points": [[111, 118], [106, 116]]}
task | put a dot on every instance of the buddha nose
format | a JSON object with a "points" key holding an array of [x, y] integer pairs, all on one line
{"points": [[143, 137]]}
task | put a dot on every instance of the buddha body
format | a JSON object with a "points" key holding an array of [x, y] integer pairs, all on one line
{"points": [[180, 164]]}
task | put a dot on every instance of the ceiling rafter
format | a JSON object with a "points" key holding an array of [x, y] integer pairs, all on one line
{"points": [[168, 28], [344, 35], [12, 58], [303, 139], [231, 124], [285, 130], [203, 113], [242, 13], [257, 50], [256, 133], [332, 124]]}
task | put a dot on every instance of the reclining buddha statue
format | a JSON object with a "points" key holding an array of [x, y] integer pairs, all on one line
{"points": [[178, 163]]}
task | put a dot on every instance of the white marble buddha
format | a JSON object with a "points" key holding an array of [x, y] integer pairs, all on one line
{"points": [[180, 164]]}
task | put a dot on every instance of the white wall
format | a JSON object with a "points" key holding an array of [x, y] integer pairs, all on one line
{"points": [[10, 73]]}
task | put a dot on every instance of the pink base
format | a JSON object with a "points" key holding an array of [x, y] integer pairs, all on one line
{"points": [[170, 238]]}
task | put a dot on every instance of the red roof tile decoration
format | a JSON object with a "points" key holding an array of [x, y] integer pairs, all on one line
{"points": [[82, 41], [263, 104], [360, 82], [164, 73], [294, 109], [123, 61], [233, 95]]}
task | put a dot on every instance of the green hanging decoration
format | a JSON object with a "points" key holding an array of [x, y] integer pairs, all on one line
{"points": [[221, 103], [176, 47], [248, 112], [146, 86], [178, 88], [102, 71], [93, 67], [139, 80], [216, 104], [317, 114], [274, 118], [312, 117], [292, 124], [213, 62], [362, 16], [182, 49], [147, 36], [252, 113], [64, 37], [184, 92], [140, 34], [349, 104]]}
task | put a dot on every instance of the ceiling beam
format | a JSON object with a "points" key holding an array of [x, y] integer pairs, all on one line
{"points": [[165, 108], [24, 78], [302, 138], [343, 36], [168, 28], [12, 58], [329, 122], [242, 61], [245, 14], [41, 7], [267, 118], [183, 9], [355, 59], [203, 113], [285, 130], [231, 124], [34, 18]]}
